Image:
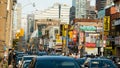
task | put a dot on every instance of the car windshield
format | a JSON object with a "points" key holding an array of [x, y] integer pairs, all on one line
{"points": [[26, 65], [56, 64]]}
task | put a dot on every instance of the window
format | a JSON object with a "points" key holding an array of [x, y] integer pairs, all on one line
{"points": [[95, 64], [56, 31]]}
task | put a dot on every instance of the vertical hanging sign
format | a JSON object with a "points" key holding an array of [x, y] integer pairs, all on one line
{"points": [[106, 23]]}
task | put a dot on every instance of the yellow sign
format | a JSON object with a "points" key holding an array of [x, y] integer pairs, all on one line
{"points": [[58, 40], [57, 36], [21, 32], [17, 35], [106, 23], [70, 34]]}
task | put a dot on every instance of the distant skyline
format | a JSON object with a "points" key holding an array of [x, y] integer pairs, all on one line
{"points": [[42, 4]]}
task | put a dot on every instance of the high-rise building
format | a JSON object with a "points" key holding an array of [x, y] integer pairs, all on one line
{"points": [[91, 12], [17, 19], [80, 8], [18, 11], [100, 4], [56, 12]]}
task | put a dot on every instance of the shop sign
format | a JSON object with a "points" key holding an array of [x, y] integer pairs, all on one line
{"points": [[90, 45], [88, 28], [106, 23], [117, 40], [99, 29], [117, 22], [81, 37], [98, 43]]}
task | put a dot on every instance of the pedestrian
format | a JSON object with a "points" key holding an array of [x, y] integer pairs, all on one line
{"points": [[14, 61], [92, 55], [10, 66], [70, 55], [76, 56], [4, 65], [10, 57]]}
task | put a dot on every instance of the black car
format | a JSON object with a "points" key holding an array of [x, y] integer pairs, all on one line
{"points": [[53, 62]]}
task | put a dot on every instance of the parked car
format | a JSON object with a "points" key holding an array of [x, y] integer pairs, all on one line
{"points": [[29, 57], [42, 53], [18, 60], [116, 60], [53, 62], [98, 63], [25, 58], [80, 61], [25, 64]]}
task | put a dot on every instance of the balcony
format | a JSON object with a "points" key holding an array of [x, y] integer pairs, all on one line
{"points": [[115, 16]]}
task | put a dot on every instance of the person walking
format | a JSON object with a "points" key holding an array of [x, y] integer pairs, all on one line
{"points": [[10, 66], [10, 57]]}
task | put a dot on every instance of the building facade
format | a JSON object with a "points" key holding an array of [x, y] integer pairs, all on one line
{"points": [[16, 19], [100, 4], [30, 25], [6, 19], [80, 8], [115, 27], [57, 12]]}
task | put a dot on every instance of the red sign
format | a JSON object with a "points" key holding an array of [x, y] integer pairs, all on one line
{"points": [[74, 39], [74, 32], [90, 45]]}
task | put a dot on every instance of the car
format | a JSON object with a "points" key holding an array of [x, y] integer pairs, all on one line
{"points": [[25, 58], [18, 61], [98, 63], [115, 59], [42, 53], [53, 62], [80, 61], [25, 64], [28, 57]]}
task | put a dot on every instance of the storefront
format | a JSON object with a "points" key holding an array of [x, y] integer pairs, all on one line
{"points": [[90, 36]]}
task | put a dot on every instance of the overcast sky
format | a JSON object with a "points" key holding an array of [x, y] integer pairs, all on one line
{"points": [[42, 4]]}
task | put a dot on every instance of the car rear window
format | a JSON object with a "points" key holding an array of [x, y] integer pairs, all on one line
{"points": [[56, 64]]}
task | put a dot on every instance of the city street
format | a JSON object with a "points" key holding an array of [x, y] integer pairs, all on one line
{"points": [[60, 34]]}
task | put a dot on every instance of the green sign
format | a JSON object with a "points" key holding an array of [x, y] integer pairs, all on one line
{"points": [[88, 28], [39, 33]]}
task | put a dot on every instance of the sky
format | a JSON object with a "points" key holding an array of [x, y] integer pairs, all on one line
{"points": [[42, 4]]}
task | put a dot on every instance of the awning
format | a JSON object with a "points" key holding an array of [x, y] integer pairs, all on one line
{"points": [[90, 45]]}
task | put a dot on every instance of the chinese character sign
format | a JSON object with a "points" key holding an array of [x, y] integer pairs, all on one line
{"points": [[106, 23]]}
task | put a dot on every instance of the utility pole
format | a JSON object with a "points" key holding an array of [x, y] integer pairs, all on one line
{"points": [[102, 48]]}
